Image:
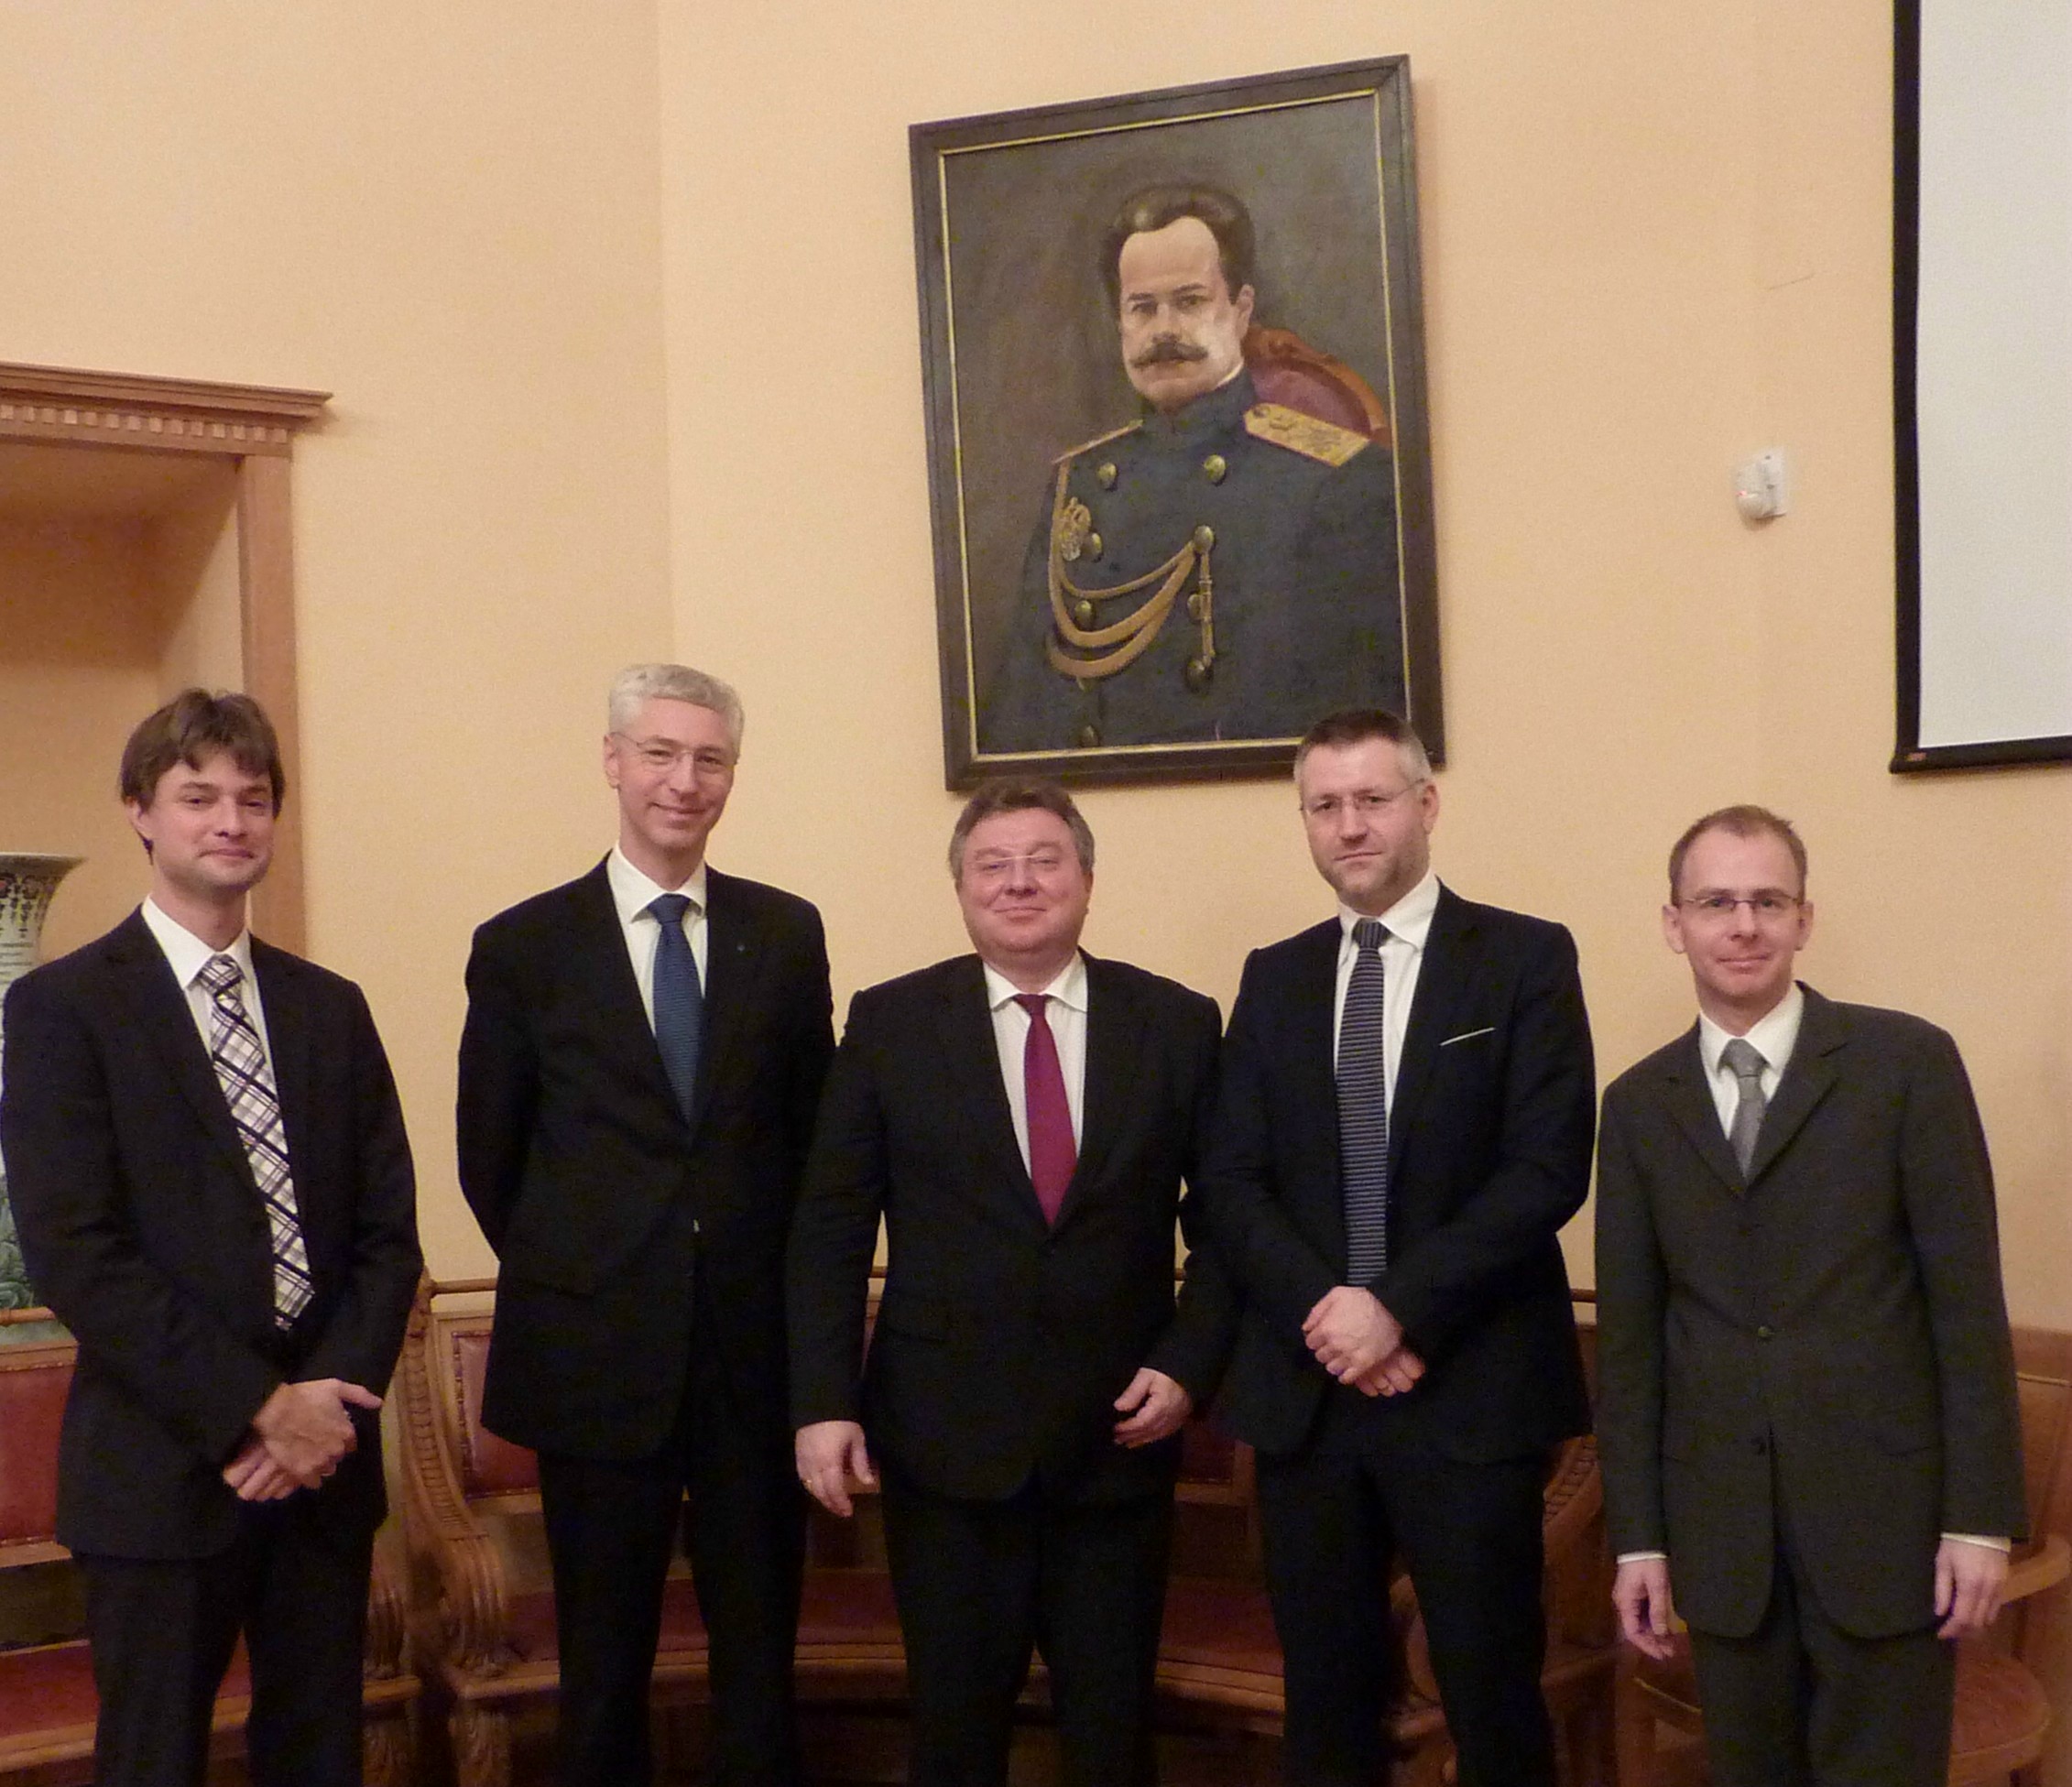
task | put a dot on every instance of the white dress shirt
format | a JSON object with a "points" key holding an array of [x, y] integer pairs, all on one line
{"points": [[631, 891], [1066, 1013], [1409, 923], [189, 955]]}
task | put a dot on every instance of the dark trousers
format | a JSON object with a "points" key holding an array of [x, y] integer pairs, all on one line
{"points": [[1801, 1703], [162, 1632], [612, 1528], [1333, 1517], [981, 1584]]}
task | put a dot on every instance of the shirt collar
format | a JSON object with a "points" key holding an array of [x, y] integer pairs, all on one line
{"points": [[632, 889], [1409, 918], [1773, 1036], [186, 952], [1068, 989]]}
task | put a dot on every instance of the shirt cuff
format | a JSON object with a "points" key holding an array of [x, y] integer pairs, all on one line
{"points": [[1987, 1540], [1641, 1557]]}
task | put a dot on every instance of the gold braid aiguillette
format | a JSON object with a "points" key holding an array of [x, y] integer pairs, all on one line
{"points": [[1074, 606]]}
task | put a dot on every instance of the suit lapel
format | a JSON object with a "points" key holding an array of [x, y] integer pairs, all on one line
{"points": [[1312, 1007], [1690, 1104], [146, 984], [733, 946], [282, 994], [1442, 977], [1115, 1028], [600, 965], [972, 1081], [1808, 1077]]}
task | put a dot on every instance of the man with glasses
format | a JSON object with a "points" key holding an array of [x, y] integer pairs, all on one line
{"points": [[642, 1059], [1404, 1125], [1808, 1410], [1021, 1118]]}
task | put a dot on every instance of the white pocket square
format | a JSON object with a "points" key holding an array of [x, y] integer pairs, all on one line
{"points": [[1469, 1035]]}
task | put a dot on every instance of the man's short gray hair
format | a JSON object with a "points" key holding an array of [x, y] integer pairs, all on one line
{"points": [[646, 682]]}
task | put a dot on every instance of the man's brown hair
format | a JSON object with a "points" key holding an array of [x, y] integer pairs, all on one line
{"points": [[1744, 821], [1356, 725], [1156, 206], [193, 726]]}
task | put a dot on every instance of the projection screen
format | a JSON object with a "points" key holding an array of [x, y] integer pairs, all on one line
{"points": [[1982, 384]]}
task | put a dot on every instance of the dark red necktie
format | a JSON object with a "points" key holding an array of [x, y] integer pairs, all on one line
{"points": [[1052, 1153]]}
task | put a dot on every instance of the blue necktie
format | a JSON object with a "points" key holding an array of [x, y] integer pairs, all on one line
{"points": [[679, 1001], [1363, 1110]]}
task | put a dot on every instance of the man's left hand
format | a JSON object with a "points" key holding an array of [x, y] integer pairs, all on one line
{"points": [[1969, 1581], [1153, 1405], [1351, 1334]]}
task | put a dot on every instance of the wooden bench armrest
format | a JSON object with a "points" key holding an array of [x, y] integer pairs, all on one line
{"points": [[474, 1609], [2032, 1571]]}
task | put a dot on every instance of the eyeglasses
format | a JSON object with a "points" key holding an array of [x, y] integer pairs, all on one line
{"points": [[663, 757], [1770, 907], [993, 871], [1366, 802]]}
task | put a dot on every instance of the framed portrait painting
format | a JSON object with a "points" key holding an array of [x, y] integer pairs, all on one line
{"points": [[1180, 467]]}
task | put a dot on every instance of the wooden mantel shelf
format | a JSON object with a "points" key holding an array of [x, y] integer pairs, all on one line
{"points": [[176, 415]]}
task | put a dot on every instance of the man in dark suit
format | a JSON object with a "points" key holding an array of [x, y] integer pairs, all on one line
{"points": [[1404, 1125], [643, 1055], [1807, 1409], [1022, 1118], [214, 1189]]}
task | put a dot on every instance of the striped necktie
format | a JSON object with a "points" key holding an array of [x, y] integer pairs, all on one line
{"points": [[1363, 1110], [240, 1060]]}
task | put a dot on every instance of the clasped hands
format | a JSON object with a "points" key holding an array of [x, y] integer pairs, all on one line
{"points": [[297, 1437], [1359, 1343], [831, 1453]]}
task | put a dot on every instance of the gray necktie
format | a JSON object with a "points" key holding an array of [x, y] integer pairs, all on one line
{"points": [[1746, 1065]]}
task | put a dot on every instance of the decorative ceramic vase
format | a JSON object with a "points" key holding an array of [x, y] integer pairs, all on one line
{"points": [[27, 883]]}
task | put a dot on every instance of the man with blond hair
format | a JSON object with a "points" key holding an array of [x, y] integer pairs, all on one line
{"points": [[642, 1058]]}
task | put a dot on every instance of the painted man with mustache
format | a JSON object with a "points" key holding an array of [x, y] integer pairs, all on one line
{"points": [[1219, 568]]}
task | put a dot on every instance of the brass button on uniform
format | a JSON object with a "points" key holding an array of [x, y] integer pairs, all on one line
{"points": [[1083, 612], [1089, 736], [1106, 474], [1764, 1332], [1093, 546], [1213, 467]]}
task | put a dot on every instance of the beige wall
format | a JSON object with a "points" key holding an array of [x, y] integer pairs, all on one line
{"points": [[1655, 239], [449, 216], [623, 333]]}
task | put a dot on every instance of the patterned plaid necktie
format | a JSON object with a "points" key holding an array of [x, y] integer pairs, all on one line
{"points": [[240, 1060], [1363, 1109]]}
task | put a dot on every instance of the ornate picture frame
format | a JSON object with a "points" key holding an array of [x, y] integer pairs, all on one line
{"points": [[1140, 574]]}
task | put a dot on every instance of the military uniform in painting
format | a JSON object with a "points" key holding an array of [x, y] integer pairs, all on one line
{"points": [[1228, 571]]}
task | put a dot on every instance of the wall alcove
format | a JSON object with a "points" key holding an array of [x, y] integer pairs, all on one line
{"points": [[146, 543]]}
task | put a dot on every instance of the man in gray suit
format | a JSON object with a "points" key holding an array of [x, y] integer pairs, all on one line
{"points": [[1808, 1416]]}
